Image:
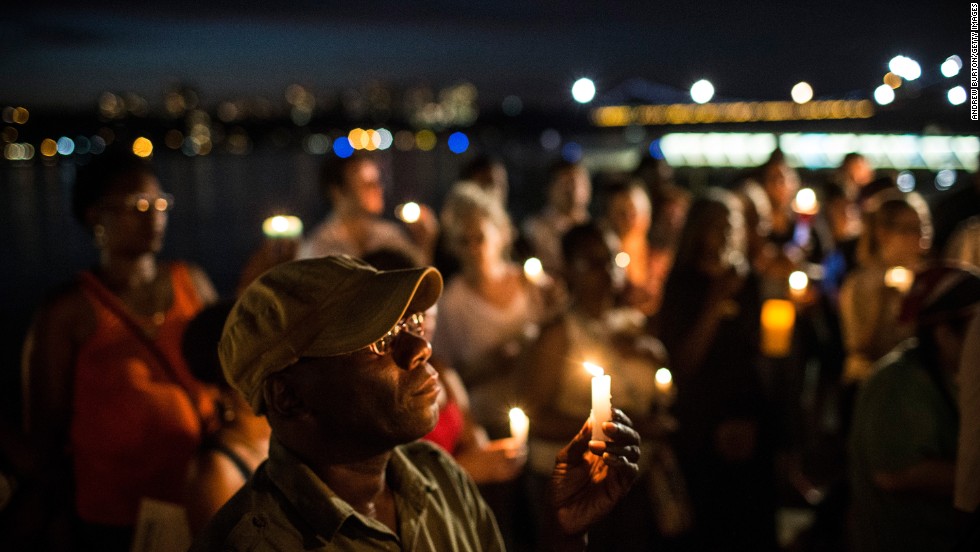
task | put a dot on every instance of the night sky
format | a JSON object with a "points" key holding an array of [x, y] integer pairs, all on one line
{"points": [[65, 54]]}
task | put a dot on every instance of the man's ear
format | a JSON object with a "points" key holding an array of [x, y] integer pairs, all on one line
{"points": [[280, 396]]}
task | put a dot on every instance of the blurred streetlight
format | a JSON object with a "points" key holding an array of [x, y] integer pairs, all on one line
{"points": [[802, 92], [583, 90], [702, 91], [956, 95], [905, 67], [884, 94], [951, 67]]}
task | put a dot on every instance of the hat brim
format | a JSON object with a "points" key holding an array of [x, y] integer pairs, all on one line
{"points": [[385, 299]]}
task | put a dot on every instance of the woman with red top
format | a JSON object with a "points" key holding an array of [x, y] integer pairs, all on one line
{"points": [[110, 402]]}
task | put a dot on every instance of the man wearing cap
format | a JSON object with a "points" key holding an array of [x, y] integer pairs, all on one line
{"points": [[332, 352], [903, 440]]}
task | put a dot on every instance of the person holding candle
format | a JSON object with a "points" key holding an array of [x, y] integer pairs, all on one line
{"points": [[903, 442], [626, 217], [597, 355], [332, 351], [353, 187], [709, 323], [486, 461], [490, 309], [569, 195], [897, 234]]}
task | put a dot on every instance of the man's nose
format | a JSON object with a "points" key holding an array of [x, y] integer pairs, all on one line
{"points": [[411, 351]]}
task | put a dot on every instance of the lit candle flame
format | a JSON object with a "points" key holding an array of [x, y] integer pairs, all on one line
{"points": [[593, 369], [900, 278], [519, 423], [805, 202], [798, 280], [533, 269], [409, 212], [663, 379], [282, 226], [622, 259]]}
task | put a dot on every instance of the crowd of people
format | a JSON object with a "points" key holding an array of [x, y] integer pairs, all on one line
{"points": [[326, 394]]}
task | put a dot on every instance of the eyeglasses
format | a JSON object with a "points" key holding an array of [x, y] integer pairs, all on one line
{"points": [[414, 324], [142, 203]]}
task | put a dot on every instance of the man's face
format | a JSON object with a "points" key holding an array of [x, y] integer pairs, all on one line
{"points": [[379, 400], [571, 190], [363, 186]]}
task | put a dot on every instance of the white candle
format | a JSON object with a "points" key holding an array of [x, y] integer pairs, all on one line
{"points": [[601, 400], [519, 424]]}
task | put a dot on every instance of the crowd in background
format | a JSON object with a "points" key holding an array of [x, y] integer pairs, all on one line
{"points": [[859, 420]]}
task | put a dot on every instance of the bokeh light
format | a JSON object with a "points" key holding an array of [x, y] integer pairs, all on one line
{"points": [[884, 94], [404, 140], [317, 144], [702, 91], [66, 146], [342, 147], [905, 181], [21, 115], [905, 67], [143, 147], [801, 93], [550, 139], [458, 142], [655, 151], [583, 91], [956, 95], [945, 179], [425, 140], [385, 139], [571, 152], [512, 106], [892, 80], [951, 67], [49, 148]]}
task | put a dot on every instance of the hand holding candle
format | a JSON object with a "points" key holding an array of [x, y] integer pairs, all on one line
{"points": [[601, 400]]}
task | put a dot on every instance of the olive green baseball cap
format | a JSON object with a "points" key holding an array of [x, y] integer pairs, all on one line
{"points": [[318, 307]]}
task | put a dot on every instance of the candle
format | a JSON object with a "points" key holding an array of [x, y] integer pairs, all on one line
{"points": [[533, 270], [900, 278], [519, 424], [282, 226], [409, 212], [622, 259], [601, 400], [778, 317], [798, 282], [663, 380], [805, 202]]}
